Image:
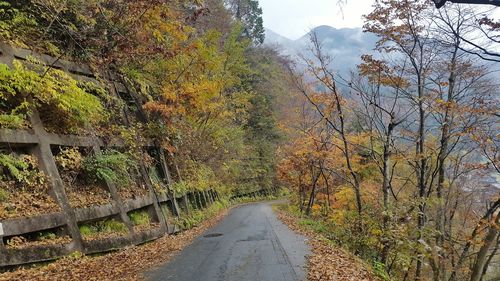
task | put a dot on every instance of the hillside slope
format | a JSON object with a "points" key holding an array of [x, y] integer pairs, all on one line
{"points": [[344, 45]]}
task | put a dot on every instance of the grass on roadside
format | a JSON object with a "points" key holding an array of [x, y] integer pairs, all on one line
{"points": [[195, 217], [140, 218], [250, 199], [108, 226]]}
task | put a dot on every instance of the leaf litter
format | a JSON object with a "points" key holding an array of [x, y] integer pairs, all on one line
{"points": [[128, 264], [328, 262]]}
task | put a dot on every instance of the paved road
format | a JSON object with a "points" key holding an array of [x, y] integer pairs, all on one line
{"points": [[250, 244]]}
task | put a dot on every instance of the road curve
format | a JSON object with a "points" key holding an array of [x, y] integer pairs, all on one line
{"points": [[250, 244]]}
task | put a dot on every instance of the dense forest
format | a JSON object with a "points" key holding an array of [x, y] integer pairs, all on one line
{"points": [[398, 162], [206, 86]]}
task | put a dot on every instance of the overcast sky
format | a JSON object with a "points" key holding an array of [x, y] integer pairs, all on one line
{"points": [[294, 18]]}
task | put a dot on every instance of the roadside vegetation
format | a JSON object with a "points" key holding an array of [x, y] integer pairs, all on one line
{"points": [[328, 260], [397, 163], [207, 92]]}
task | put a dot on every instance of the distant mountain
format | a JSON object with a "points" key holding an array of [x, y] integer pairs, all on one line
{"points": [[345, 45], [273, 38]]}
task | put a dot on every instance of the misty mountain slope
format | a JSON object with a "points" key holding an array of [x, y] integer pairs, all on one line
{"points": [[273, 38], [345, 45]]}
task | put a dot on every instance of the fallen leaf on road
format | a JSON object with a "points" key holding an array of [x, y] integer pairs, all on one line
{"points": [[124, 265]]}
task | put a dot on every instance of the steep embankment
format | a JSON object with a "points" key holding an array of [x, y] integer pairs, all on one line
{"points": [[117, 118]]}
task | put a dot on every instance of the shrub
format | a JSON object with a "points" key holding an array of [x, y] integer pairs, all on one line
{"points": [[76, 255], [316, 225], [69, 160], [380, 272], [21, 169], [12, 121], [4, 196], [140, 218], [86, 230], [13, 168], [70, 107], [180, 187], [112, 166], [15, 23], [105, 226], [199, 177], [112, 225], [46, 235], [195, 217]]}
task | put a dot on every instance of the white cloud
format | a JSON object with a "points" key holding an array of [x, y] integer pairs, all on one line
{"points": [[294, 18]]}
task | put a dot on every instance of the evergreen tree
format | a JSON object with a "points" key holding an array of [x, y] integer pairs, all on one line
{"points": [[249, 13]]}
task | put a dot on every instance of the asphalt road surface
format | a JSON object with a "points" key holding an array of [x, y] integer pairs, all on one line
{"points": [[250, 244]]}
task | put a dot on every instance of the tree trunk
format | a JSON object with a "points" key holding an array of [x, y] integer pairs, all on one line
{"points": [[494, 207], [357, 189], [482, 255], [385, 191], [443, 154], [313, 191], [327, 190], [492, 255], [302, 195], [422, 165]]}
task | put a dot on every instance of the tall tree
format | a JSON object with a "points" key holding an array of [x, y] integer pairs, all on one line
{"points": [[249, 13], [401, 28], [382, 110]]}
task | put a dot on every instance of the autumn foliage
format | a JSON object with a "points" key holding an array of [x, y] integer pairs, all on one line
{"points": [[398, 162]]}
